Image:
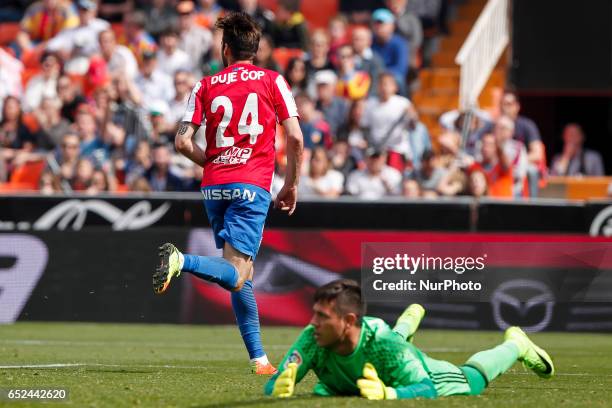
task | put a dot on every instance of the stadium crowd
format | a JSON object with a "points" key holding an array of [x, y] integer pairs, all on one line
{"points": [[94, 90]]}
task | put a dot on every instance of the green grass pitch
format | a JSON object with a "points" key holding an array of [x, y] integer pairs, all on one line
{"points": [[114, 365]]}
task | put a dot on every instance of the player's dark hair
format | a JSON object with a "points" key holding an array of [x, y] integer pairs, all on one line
{"points": [[241, 33], [347, 296]]}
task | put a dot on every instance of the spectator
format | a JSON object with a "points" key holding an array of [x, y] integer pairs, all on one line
{"points": [[263, 17], [575, 160], [290, 30], [408, 26], [314, 128], [161, 129], [43, 84], [391, 47], [140, 185], [49, 183], [140, 162], [195, 40], [353, 131], [376, 180], [419, 140], [99, 183], [365, 59], [318, 58], [92, 146], [338, 34], [296, 76], [514, 151], [322, 180], [334, 109], [84, 36], [160, 15], [52, 126], [352, 84], [82, 177], [496, 167], [526, 132], [14, 134], [113, 11], [386, 119], [480, 123], [430, 175], [10, 72], [208, 12], [265, 57], [169, 57], [159, 176], [341, 158], [152, 83], [120, 61], [43, 20], [477, 184], [70, 97], [454, 162], [411, 189], [68, 156], [183, 84], [135, 36], [213, 61]]}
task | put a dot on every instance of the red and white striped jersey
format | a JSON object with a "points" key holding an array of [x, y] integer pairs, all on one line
{"points": [[241, 106]]}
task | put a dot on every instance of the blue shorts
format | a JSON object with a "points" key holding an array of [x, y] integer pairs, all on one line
{"points": [[237, 214]]}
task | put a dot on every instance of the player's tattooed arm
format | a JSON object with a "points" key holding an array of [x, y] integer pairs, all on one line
{"points": [[185, 144]]}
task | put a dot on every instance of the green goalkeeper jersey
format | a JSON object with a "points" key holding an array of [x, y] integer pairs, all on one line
{"points": [[397, 362]]}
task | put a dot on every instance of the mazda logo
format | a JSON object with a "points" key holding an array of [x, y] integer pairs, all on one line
{"points": [[522, 295]]}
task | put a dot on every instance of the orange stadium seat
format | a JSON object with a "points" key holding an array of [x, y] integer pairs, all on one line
{"points": [[8, 32], [10, 188], [318, 13], [283, 55], [28, 174]]}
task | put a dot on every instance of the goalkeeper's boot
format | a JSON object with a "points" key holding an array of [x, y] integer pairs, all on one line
{"points": [[263, 369], [169, 267], [412, 317], [532, 356]]}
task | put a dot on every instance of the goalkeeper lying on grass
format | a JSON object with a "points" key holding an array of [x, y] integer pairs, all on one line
{"points": [[352, 354]]}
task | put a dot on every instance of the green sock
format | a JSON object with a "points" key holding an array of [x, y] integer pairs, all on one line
{"points": [[496, 361]]}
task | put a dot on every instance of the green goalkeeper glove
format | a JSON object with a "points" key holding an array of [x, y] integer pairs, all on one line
{"points": [[372, 387], [285, 383]]}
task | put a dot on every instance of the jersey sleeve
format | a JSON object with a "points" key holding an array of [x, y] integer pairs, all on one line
{"points": [[303, 352], [194, 113], [397, 361], [284, 104]]}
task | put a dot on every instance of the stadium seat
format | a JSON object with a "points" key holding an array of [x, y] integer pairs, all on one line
{"points": [[283, 55], [8, 33], [318, 13], [11, 188], [28, 174]]}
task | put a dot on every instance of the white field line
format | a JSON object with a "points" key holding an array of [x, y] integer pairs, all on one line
{"points": [[70, 365], [211, 347], [65, 365]]}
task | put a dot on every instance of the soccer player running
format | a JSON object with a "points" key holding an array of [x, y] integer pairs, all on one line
{"points": [[241, 106], [353, 354]]}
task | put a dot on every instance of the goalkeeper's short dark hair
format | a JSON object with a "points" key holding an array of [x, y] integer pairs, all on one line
{"points": [[347, 296], [241, 33]]}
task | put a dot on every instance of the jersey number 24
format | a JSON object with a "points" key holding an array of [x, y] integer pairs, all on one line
{"points": [[253, 129]]}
